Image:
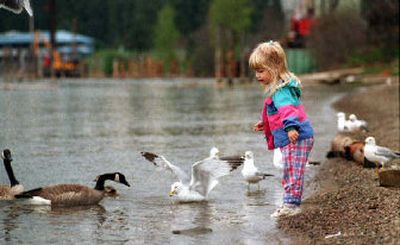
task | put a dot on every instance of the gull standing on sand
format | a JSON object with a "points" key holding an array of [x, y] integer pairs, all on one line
{"points": [[16, 6], [203, 179], [250, 171], [354, 124], [378, 154], [341, 122]]}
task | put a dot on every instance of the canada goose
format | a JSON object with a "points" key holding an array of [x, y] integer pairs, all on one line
{"points": [[74, 194], [109, 191], [16, 6], [8, 192]]}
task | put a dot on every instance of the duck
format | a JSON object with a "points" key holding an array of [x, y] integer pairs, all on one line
{"points": [[7, 192], [16, 6], [250, 172], [75, 194]]}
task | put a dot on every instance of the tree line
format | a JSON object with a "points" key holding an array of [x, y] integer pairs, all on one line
{"points": [[202, 33]]}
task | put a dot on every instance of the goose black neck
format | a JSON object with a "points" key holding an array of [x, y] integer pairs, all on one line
{"points": [[10, 172], [102, 178]]}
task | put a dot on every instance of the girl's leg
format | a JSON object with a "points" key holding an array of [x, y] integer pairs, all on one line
{"points": [[294, 159]]}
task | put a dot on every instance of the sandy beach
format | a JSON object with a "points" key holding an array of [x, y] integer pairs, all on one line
{"points": [[349, 206]]}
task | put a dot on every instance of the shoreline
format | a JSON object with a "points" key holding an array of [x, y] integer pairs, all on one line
{"points": [[349, 206]]}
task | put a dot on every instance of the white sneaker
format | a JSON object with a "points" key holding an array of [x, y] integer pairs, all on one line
{"points": [[286, 210]]}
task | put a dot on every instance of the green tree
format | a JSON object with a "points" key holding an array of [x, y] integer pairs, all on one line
{"points": [[166, 36], [230, 20]]}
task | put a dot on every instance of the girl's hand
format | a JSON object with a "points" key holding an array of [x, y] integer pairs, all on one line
{"points": [[293, 135], [259, 126]]}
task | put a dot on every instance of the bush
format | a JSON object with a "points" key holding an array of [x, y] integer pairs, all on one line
{"points": [[336, 38]]}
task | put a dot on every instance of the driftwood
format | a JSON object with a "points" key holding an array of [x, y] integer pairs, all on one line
{"points": [[389, 178], [334, 76]]}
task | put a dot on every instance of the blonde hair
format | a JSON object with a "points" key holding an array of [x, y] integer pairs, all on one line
{"points": [[271, 57]]}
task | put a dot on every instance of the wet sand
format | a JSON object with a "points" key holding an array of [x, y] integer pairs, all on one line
{"points": [[349, 206]]}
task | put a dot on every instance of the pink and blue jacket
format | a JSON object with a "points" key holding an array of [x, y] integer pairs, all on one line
{"points": [[282, 112]]}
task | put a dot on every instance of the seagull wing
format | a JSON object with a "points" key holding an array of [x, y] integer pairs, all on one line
{"points": [[14, 9], [263, 175], [205, 173], [386, 152], [27, 7], [16, 6], [160, 161], [232, 159]]}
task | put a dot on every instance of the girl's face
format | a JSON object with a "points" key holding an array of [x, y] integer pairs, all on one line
{"points": [[263, 76]]}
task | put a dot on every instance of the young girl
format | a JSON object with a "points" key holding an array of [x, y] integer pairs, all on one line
{"points": [[284, 120]]}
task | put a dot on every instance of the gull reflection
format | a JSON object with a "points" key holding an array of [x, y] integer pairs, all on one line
{"points": [[192, 219]]}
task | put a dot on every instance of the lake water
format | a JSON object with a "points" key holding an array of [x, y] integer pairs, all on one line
{"points": [[72, 131]]}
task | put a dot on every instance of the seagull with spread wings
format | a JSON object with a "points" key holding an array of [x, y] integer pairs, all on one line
{"points": [[203, 179], [16, 6]]}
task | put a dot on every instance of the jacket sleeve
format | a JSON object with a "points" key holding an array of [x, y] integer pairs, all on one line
{"points": [[287, 101], [267, 129]]}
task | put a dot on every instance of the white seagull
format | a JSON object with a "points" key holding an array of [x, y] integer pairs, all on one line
{"points": [[378, 154], [203, 179], [341, 121], [278, 160], [354, 124], [16, 6], [250, 171]]}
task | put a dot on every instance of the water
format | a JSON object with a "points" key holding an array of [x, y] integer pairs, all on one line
{"points": [[72, 131]]}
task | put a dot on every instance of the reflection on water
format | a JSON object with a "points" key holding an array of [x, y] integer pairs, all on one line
{"points": [[72, 131]]}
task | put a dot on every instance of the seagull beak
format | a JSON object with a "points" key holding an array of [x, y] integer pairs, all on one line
{"points": [[172, 193]]}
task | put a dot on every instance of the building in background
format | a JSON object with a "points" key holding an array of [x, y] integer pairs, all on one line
{"points": [[24, 53]]}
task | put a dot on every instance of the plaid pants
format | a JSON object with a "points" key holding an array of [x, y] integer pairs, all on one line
{"points": [[294, 157]]}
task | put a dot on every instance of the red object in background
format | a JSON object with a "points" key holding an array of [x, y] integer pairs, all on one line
{"points": [[294, 22], [46, 61], [304, 26]]}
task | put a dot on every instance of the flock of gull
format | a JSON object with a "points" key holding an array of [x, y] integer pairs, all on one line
{"points": [[190, 187], [194, 187], [379, 155]]}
